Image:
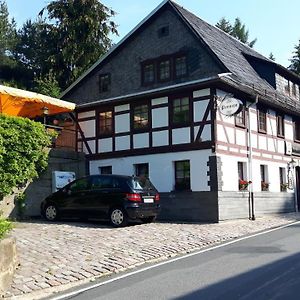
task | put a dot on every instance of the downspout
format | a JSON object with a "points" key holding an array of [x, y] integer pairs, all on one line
{"points": [[251, 194]]}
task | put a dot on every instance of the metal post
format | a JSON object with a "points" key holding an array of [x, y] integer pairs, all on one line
{"points": [[251, 194]]}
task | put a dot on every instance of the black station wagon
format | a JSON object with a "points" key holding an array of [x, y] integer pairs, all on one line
{"points": [[115, 197]]}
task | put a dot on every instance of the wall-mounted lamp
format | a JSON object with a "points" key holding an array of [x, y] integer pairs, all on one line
{"points": [[45, 113]]}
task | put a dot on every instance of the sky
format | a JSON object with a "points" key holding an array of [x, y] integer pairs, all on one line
{"points": [[275, 23]]}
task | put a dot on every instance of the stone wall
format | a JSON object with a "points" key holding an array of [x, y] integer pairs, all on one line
{"points": [[235, 205], [39, 189], [189, 206], [8, 263]]}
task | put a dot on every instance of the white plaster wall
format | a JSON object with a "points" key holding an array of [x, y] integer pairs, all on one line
{"points": [[88, 128], [92, 145], [206, 133], [288, 128], [120, 108], [122, 123], [160, 117], [230, 173], [241, 137], [122, 143], [181, 136], [160, 138], [141, 140], [199, 110], [86, 114], [201, 93], [105, 145], [158, 101], [161, 168]]}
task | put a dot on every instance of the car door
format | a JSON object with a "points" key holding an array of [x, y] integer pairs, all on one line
{"points": [[106, 194], [77, 197]]}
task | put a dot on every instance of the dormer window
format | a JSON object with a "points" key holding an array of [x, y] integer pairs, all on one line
{"points": [[180, 66], [294, 90], [287, 87], [164, 70], [148, 73]]}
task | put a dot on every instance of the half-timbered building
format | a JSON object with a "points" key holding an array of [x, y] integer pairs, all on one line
{"points": [[150, 106]]}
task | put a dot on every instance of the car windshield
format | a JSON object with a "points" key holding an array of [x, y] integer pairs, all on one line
{"points": [[141, 183]]}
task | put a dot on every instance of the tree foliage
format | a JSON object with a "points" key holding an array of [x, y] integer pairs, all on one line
{"points": [[237, 30], [22, 151], [295, 60]]}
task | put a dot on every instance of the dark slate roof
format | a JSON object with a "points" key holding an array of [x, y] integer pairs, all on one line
{"points": [[232, 54]]}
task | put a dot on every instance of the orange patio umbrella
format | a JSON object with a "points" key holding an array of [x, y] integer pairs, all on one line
{"points": [[16, 102]]}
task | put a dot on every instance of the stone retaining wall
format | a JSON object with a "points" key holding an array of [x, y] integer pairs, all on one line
{"points": [[8, 262]]}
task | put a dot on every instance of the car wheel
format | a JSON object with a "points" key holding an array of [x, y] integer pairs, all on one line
{"points": [[148, 219], [118, 217], [51, 212]]}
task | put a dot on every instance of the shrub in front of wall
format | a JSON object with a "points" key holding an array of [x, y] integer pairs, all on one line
{"points": [[5, 226], [23, 154]]}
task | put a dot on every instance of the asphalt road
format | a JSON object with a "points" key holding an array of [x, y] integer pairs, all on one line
{"points": [[262, 267]]}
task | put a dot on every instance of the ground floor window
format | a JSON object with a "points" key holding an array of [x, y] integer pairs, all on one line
{"points": [[105, 170], [242, 174], [264, 178], [182, 175], [141, 170], [283, 179]]}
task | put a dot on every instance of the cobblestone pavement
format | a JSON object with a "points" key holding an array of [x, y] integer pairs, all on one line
{"points": [[56, 256]]}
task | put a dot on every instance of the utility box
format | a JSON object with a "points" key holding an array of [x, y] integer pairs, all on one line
{"points": [[61, 179]]}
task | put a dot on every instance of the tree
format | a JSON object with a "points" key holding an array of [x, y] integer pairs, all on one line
{"points": [[271, 56], [78, 33], [237, 30], [8, 40], [295, 60]]}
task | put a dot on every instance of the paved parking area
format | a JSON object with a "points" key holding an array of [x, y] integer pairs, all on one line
{"points": [[56, 256]]}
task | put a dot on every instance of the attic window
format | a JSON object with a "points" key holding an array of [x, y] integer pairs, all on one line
{"points": [[163, 31], [104, 83], [294, 89]]}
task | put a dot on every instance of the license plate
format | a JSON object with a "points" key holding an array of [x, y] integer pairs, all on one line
{"points": [[148, 200]]}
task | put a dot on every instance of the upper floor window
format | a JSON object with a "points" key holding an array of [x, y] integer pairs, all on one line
{"points": [[141, 117], [287, 87], [104, 83], [280, 125], [297, 130], [181, 110], [240, 118], [105, 122], [180, 66], [148, 73], [164, 70], [294, 90], [262, 120], [182, 175]]}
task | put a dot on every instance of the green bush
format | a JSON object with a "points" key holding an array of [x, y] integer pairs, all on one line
{"points": [[23, 154], [5, 226]]}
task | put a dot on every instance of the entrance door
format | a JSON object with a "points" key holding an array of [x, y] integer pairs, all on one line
{"points": [[298, 186]]}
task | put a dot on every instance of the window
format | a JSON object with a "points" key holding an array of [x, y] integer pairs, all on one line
{"points": [[105, 170], [243, 183], [104, 83], [181, 111], [294, 89], [297, 130], [180, 67], [79, 185], [240, 118], [262, 121], [182, 175], [141, 170], [280, 125], [148, 73], [141, 117], [282, 178], [264, 178], [287, 88], [164, 72], [105, 123], [163, 31]]}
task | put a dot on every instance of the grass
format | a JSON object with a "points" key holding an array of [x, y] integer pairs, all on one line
{"points": [[5, 226]]}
